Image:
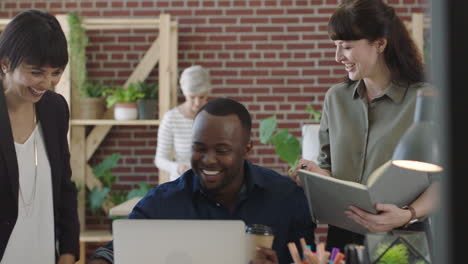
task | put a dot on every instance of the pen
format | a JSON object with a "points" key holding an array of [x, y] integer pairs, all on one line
{"points": [[304, 246], [321, 254], [339, 258], [335, 252]]}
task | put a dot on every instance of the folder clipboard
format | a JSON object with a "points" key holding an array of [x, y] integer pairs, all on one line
{"points": [[329, 198]]}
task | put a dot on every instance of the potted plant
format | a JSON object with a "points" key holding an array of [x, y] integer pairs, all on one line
{"points": [[286, 145], [124, 101], [148, 105], [101, 199], [399, 247], [310, 137], [93, 101], [77, 42]]}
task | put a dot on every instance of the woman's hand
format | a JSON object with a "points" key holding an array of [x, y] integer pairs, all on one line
{"points": [[182, 168], [265, 256], [310, 166], [66, 259], [390, 216]]}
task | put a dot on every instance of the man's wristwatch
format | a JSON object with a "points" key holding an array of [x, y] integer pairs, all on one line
{"points": [[413, 218]]}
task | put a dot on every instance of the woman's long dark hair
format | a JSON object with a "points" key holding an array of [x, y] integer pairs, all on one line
{"points": [[34, 37], [372, 20]]}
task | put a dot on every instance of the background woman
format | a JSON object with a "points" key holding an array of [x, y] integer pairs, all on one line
{"points": [[175, 131], [38, 221], [365, 116]]}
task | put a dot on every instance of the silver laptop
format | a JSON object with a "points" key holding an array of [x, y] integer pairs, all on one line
{"points": [[179, 241]]}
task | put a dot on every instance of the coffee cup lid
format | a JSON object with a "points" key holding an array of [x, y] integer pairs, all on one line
{"points": [[258, 229]]}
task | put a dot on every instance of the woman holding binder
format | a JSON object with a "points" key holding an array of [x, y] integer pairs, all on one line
{"points": [[38, 219], [365, 116]]}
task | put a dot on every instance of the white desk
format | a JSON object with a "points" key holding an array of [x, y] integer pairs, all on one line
{"points": [[124, 208]]}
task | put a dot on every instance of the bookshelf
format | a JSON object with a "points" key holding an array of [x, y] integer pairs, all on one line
{"points": [[163, 51]]}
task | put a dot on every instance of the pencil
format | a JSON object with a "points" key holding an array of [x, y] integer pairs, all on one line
{"points": [[321, 253], [311, 257], [294, 253], [303, 244], [339, 257]]}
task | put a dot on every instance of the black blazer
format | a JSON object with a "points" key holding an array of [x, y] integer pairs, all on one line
{"points": [[52, 111]]}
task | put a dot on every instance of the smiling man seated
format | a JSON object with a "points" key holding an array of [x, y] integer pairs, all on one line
{"points": [[223, 184]]}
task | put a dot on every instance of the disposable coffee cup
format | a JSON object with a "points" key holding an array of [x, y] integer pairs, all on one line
{"points": [[258, 236]]}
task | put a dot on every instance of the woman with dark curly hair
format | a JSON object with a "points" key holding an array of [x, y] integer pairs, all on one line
{"points": [[38, 203], [365, 116]]}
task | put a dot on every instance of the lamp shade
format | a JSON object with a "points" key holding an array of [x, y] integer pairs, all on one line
{"points": [[418, 149]]}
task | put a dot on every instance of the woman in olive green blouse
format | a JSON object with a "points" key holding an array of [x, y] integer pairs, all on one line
{"points": [[365, 116]]}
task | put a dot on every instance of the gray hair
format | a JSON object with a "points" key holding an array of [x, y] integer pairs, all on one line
{"points": [[195, 80]]}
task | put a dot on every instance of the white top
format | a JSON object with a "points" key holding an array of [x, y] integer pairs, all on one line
{"points": [[32, 239], [174, 136]]}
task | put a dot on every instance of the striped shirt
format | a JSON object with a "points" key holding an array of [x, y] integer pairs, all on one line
{"points": [[174, 142]]}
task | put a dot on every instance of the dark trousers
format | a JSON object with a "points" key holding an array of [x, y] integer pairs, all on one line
{"points": [[339, 238]]}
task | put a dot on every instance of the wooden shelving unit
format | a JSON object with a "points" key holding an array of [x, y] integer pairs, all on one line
{"points": [[163, 52], [416, 27]]}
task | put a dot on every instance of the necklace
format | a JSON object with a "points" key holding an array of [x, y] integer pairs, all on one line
{"points": [[28, 204]]}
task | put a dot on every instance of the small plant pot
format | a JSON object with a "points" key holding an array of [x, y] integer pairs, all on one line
{"points": [[125, 111], [147, 108], [92, 108]]}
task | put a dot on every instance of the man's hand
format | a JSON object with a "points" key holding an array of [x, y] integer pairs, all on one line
{"points": [[390, 216], [66, 259], [99, 261], [265, 256]]}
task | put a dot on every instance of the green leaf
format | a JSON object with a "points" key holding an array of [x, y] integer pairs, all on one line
{"points": [[121, 95], [142, 190], [96, 199], [108, 163], [396, 254], [94, 89], [107, 178], [77, 42], [117, 196], [313, 114], [150, 91], [267, 127], [287, 146]]}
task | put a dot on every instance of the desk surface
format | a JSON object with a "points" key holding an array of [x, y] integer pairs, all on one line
{"points": [[95, 236], [124, 208]]}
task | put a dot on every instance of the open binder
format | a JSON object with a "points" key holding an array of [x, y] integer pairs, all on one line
{"points": [[329, 197]]}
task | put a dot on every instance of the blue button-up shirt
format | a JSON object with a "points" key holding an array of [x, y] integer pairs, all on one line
{"points": [[265, 198]]}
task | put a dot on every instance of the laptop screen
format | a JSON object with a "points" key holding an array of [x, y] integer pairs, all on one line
{"points": [[179, 241]]}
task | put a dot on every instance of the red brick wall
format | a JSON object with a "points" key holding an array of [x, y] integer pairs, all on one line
{"points": [[272, 55]]}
